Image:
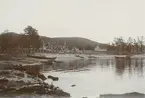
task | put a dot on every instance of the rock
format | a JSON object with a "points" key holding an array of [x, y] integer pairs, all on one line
{"points": [[51, 86], [59, 93], [18, 81], [32, 88], [73, 85], [42, 89], [42, 77], [53, 78], [4, 81], [8, 89], [14, 67], [32, 70], [84, 97], [4, 72]]}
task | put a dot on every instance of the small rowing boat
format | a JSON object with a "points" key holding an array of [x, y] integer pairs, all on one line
{"points": [[79, 56], [42, 57]]}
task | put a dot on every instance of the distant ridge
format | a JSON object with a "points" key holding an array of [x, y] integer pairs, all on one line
{"points": [[81, 43]]}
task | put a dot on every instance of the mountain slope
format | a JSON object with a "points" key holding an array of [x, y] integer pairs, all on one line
{"points": [[81, 43]]}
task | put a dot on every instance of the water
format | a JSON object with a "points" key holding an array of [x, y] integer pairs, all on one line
{"points": [[100, 76], [97, 76]]}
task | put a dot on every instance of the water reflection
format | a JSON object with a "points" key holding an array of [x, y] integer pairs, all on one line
{"points": [[104, 63], [75, 65], [119, 65], [131, 66]]}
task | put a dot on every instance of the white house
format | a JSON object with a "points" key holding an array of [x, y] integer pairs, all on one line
{"points": [[98, 49]]}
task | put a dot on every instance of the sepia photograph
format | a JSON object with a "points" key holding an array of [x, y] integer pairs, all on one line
{"points": [[72, 48]]}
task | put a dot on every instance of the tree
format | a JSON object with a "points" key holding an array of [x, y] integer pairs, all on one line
{"points": [[129, 45], [33, 39], [140, 43], [9, 41], [29, 30], [120, 45], [136, 46]]}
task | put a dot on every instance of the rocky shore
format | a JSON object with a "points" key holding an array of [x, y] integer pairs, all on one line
{"points": [[18, 79]]}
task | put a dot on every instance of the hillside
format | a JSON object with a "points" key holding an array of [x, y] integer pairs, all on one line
{"points": [[70, 42], [81, 43]]}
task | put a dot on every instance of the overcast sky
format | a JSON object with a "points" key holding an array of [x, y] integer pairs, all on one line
{"points": [[98, 20]]}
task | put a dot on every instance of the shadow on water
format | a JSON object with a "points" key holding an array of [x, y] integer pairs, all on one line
{"points": [[74, 65], [119, 65], [129, 65]]}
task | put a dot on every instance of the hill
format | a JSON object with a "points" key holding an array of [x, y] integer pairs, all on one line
{"points": [[81, 43], [70, 42]]}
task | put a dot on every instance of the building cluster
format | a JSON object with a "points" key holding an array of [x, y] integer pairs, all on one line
{"points": [[63, 48]]}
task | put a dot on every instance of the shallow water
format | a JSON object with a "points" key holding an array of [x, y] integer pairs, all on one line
{"points": [[96, 76], [100, 76]]}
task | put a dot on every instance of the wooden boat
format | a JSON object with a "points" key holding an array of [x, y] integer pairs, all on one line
{"points": [[79, 56], [58, 61], [42, 57], [124, 57]]}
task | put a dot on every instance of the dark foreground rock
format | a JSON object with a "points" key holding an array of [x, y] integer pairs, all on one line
{"points": [[53, 78], [20, 80], [126, 95]]}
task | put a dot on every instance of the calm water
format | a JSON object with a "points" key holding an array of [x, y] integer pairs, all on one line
{"points": [[99, 76]]}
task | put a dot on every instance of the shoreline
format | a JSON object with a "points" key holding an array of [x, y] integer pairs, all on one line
{"points": [[24, 60], [23, 76]]}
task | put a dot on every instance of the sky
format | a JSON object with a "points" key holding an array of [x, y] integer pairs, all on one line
{"points": [[98, 20]]}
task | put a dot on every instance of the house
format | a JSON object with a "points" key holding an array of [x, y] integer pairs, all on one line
{"points": [[98, 49]]}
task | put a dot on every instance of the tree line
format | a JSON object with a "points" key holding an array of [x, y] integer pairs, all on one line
{"points": [[126, 47], [10, 41]]}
